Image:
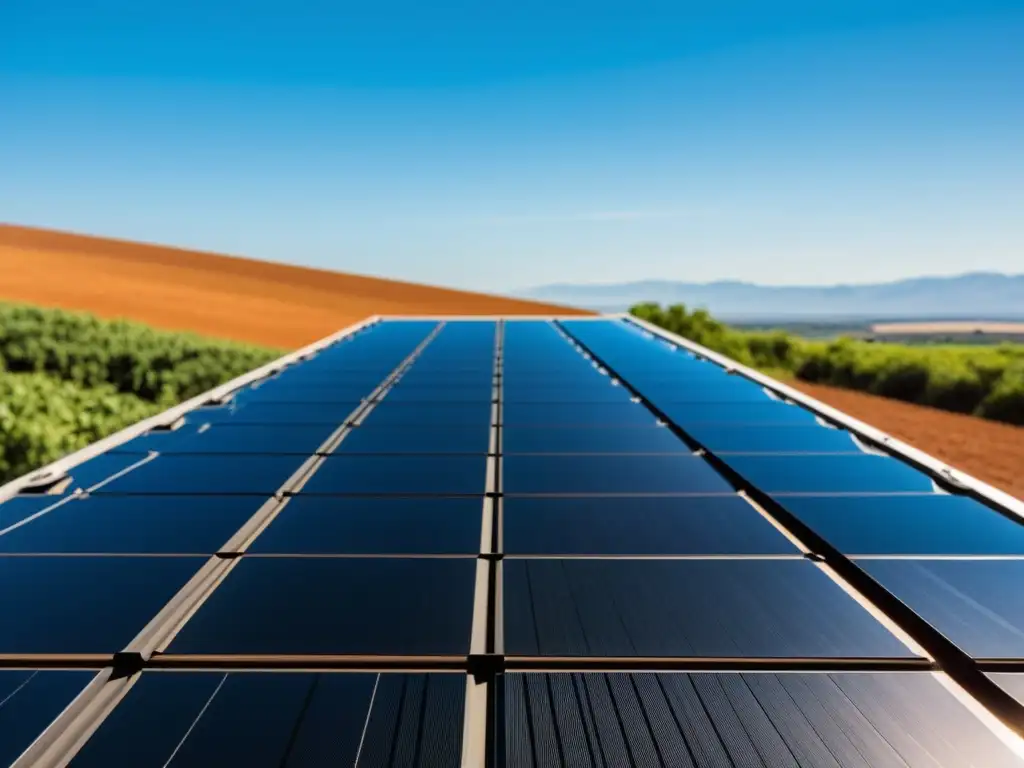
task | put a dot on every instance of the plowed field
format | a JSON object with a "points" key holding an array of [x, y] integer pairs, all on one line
{"points": [[243, 299], [289, 306]]}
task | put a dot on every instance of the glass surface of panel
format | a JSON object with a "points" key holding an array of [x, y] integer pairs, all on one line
{"points": [[770, 412], [275, 393], [599, 474], [713, 389], [591, 440], [227, 437], [295, 719], [745, 720], [18, 508], [315, 606], [423, 474], [91, 473], [934, 524], [276, 413], [978, 604], [91, 605], [836, 473], [685, 608], [607, 394], [459, 438], [134, 524], [441, 415], [212, 474], [413, 394], [30, 699], [712, 525], [376, 526], [576, 414], [810, 438]]}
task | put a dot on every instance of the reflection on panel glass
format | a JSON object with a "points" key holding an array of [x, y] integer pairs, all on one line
{"points": [[748, 720], [837, 473], [223, 473], [29, 700], [932, 524]]}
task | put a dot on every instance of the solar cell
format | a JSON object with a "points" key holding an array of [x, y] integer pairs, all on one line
{"points": [[29, 700], [451, 475], [315, 606], [711, 525], [134, 524], [1011, 682], [16, 509], [606, 394], [90, 473], [277, 413], [576, 414], [216, 474], [748, 438], [267, 720], [275, 393], [411, 394], [718, 389], [459, 438], [835, 473], [558, 474], [84, 604], [933, 524], [665, 608], [768, 412], [386, 526], [227, 437], [591, 440], [978, 604], [753, 720], [440, 415]]}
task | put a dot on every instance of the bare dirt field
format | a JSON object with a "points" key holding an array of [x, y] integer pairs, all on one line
{"points": [[289, 306], [237, 298]]}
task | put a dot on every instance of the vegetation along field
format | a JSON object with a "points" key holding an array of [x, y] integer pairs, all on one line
{"points": [[985, 381]]}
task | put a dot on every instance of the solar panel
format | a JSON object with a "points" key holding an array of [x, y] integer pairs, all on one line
{"points": [[217, 474], [566, 474], [845, 720], [84, 605], [275, 719], [422, 474], [747, 608], [299, 606], [639, 439], [29, 700], [692, 525], [836, 473], [134, 525], [331, 525], [978, 604], [930, 524], [470, 542]]}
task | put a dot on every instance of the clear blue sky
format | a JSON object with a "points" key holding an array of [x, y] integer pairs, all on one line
{"points": [[504, 145]]}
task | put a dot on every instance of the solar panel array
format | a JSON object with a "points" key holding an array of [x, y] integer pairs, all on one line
{"points": [[508, 543]]}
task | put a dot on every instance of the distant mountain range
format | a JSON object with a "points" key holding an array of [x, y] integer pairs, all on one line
{"points": [[973, 296]]}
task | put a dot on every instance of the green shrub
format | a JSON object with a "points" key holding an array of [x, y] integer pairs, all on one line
{"points": [[43, 419], [984, 380], [157, 366]]}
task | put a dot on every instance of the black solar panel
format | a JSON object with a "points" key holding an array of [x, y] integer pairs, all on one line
{"points": [[520, 543]]}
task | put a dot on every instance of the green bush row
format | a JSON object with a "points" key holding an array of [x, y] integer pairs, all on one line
{"points": [[43, 418], [156, 366], [985, 381]]}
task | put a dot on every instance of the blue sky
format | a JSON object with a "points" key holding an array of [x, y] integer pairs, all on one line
{"points": [[499, 146]]}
